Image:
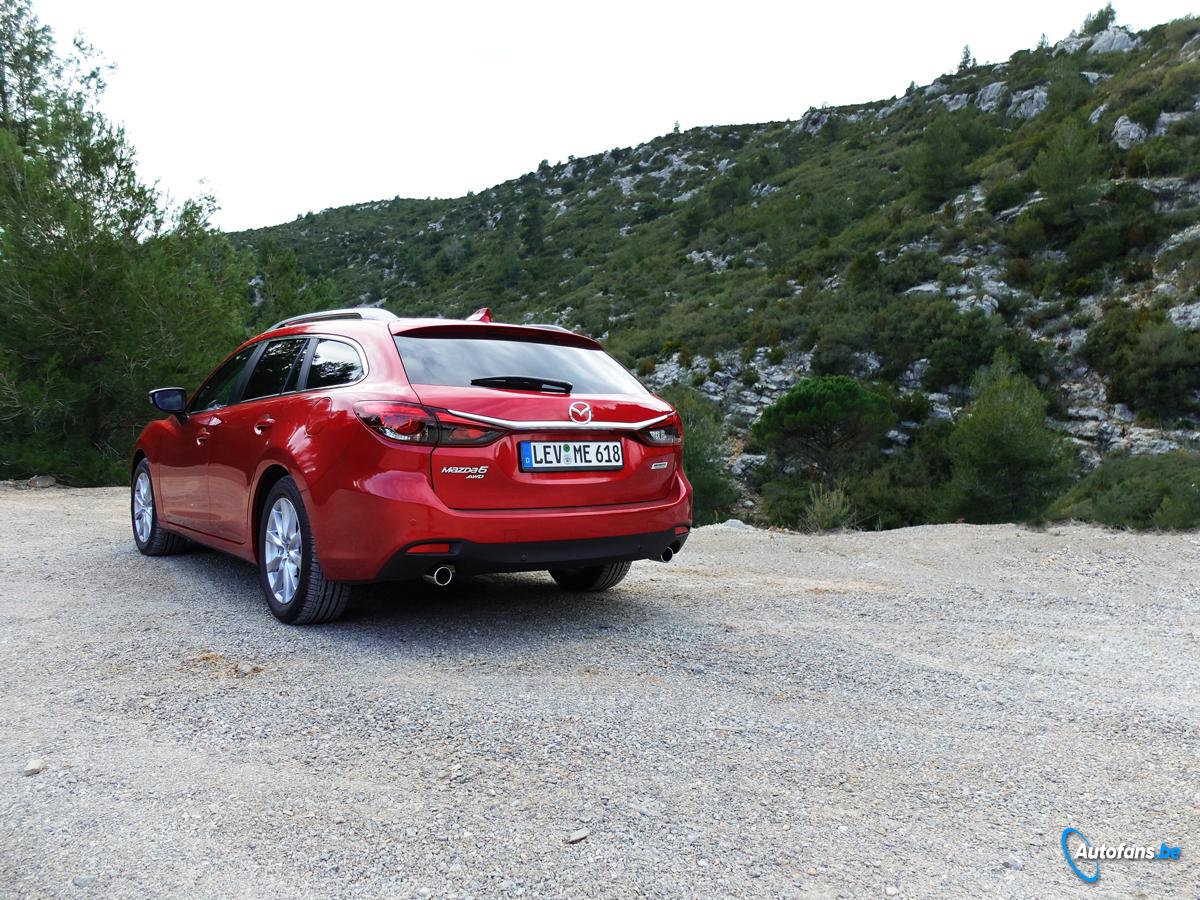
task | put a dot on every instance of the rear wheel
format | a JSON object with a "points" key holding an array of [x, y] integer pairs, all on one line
{"points": [[591, 578], [292, 581], [148, 534]]}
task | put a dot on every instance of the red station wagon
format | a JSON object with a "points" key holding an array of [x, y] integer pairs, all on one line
{"points": [[352, 446]]}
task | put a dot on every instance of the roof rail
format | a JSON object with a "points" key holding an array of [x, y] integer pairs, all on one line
{"points": [[362, 312]]}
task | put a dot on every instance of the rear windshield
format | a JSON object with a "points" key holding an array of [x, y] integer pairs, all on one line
{"points": [[457, 361]]}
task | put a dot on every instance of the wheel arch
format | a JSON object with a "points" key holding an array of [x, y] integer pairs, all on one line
{"points": [[267, 479]]}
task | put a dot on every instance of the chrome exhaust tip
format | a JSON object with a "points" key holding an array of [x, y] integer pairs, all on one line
{"points": [[666, 555], [441, 576]]}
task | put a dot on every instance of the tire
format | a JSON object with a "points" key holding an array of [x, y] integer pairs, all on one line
{"points": [[289, 571], [591, 578], [151, 538]]}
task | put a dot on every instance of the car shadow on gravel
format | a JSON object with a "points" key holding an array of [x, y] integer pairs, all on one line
{"points": [[517, 602], [527, 602]]}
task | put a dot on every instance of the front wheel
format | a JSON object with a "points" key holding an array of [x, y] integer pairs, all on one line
{"points": [[148, 533], [591, 578], [296, 589]]}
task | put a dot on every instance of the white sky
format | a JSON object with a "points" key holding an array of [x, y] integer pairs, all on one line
{"points": [[281, 108]]}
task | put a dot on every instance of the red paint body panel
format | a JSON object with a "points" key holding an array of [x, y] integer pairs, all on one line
{"points": [[368, 497]]}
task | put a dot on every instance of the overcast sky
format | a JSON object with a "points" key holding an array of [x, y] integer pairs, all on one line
{"points": [[282, 108]]}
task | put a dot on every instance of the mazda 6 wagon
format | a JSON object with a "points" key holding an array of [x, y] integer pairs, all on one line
{"points": [[352, 446]]}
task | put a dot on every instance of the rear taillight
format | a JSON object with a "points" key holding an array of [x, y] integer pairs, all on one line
{"points": [[408, 423], [665, 434], [456, 432], [402, 422]]}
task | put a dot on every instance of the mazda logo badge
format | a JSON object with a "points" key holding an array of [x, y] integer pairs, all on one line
{"points": [[580, 412]]}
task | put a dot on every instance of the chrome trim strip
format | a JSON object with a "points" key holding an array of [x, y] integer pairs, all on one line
{"points": [[564, 425]]}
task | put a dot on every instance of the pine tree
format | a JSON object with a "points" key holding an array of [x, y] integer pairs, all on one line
{"points": [[1007, 465], [940, 159], [102, 293], [1101, 20]]}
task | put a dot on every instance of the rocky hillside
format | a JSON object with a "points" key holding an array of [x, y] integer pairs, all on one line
{"points": [[1049, 205]]}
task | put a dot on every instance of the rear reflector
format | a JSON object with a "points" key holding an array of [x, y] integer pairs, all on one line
{"points": [[681, 529], [429, 548]]}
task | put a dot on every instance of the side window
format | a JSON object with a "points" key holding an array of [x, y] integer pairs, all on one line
{"points": [[333, 363], [218, 390], [274, 368]]}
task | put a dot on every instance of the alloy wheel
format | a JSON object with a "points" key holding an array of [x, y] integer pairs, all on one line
{"points": [[143, 507], [282, 552]]}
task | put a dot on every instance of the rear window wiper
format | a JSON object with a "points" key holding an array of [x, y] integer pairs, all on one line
{"points": [[524, 383]]}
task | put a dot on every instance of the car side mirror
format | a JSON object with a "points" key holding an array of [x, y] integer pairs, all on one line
{"points": [[169, 400]]}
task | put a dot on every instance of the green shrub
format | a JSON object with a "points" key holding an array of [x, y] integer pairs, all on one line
{"points": [[1098, 21], [785, 500], [911, 268], [1166, 155], [905, 490], [939, 164], [1027, 234], [1006, 464], [1137, 492], [967, 342], [1149, 363], [827, 422], [829, 509], [1002, 196], [841, 337], [1068, 167], [912, 407], [705, 453], [1096, 245]]}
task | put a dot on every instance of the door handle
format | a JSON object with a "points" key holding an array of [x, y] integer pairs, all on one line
{"points": [[263, 424], [202, 436]]}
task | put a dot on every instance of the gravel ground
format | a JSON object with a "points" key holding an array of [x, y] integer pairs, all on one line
{"points": [[912, 713]]}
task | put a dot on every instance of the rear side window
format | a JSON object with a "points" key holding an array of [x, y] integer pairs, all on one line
{"points": [[218, 391], [275, 368], [457, 361], [333, 363]]}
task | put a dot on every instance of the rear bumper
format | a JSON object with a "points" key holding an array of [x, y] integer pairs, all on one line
{"points": [[364, 528], [470, 558]]}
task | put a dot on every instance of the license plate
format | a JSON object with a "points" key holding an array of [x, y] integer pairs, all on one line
{"points": [[571, 456]]}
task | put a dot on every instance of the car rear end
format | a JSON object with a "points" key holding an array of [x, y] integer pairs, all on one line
{"points": [[539, 451]]}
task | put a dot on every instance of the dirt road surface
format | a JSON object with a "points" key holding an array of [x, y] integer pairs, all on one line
{"points": [[912, 713]]}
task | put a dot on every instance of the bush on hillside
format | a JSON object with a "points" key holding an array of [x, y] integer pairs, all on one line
{"points": [[829, 509], [1100, 20], [1006, 464], [1068, 168], [905, 489], [826, 422], [939, 161], [1137, 492], [1149, 363], [705, 453], [1003, 195]]}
